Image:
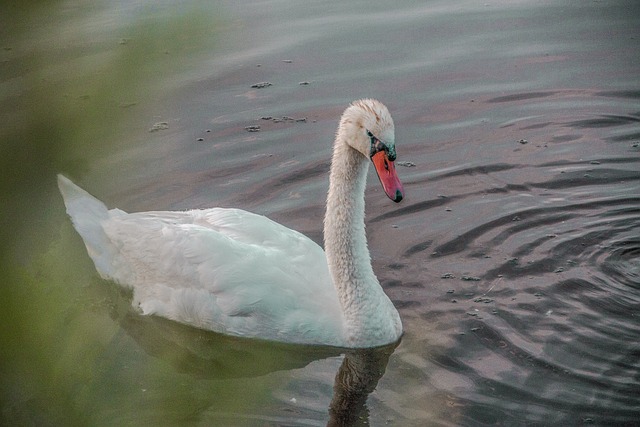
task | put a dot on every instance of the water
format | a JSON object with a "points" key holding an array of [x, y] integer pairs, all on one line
{"points": [[514, 259]]}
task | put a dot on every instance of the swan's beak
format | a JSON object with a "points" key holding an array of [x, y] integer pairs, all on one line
{"points": [[386, 171]]}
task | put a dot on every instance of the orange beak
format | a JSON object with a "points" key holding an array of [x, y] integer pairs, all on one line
{"points": [[386, 171]]}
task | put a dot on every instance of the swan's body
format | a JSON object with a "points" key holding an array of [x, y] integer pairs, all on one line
{"points": [[238, 273]]}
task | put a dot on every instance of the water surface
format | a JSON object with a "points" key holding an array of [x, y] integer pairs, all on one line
{"points": [[514, 259]]}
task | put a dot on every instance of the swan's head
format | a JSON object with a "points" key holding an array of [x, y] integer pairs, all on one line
{"points": [[367, 127]]}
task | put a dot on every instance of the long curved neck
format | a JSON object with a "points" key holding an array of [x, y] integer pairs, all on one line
{"points": [[344, 233], [364, 304]]}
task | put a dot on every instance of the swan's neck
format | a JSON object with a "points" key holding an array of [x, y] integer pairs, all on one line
{"points": [[369, 315]]}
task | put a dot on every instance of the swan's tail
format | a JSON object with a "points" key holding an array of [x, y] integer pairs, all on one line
{"points": [[88, 214]]}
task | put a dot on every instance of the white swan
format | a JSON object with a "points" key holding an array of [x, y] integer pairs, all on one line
{"points": [[241, 274]]}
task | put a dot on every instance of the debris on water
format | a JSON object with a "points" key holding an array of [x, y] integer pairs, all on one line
{"points": [[261, 85], [448, 209], [285, 119], [252, 128], [304, 83], [523, 141], [124, 41], [470, 278], [447, 276], [594, 162], [405, 164], [515, 218], [470, 313], [208, 131], [200, 139], [450, 291], [538, 295], [559, 270], [475, 329], [484, 300], [635, 144], [159, 126], [454, 301], [287, 61]]}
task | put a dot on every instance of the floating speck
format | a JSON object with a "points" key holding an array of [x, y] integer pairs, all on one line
{"points": [[252, 128], [287, 61], [594, 162], [199, 139], [405, 164], [159, 126], [304, 83], [470, 278], [261, 85], [523, 141], [447, 276]]}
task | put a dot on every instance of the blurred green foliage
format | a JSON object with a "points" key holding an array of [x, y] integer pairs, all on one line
{"points": [[72, 76]]}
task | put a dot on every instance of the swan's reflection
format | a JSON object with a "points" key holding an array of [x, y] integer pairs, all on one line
{"points": [[357, 377], [204, 354]]}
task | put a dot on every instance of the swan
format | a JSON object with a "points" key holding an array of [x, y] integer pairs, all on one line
{"points": [[241, 274]]}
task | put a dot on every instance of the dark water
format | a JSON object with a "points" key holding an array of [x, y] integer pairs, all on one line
{"points": [[514, 259]]}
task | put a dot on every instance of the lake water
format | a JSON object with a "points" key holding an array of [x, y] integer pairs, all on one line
{"points": [[514, 259]]}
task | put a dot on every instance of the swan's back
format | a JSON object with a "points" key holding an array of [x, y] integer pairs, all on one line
{"points": [[225, 270]]}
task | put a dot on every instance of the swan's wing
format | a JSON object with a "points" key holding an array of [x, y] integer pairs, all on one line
{"points": [[226, 270]]}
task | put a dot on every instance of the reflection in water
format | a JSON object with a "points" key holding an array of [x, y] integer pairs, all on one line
{"points": [[204, 354], [357, 377]]}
